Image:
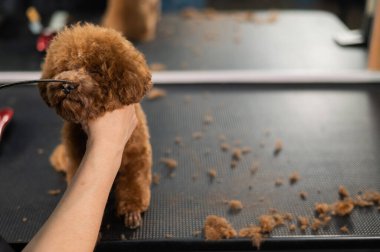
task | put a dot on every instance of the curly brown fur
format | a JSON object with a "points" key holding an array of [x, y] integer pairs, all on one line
{"points": [[137, 20], [108, 72]]}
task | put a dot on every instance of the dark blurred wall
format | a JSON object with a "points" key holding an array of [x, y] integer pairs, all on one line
{"points": [[46, 7], [49, 6]]}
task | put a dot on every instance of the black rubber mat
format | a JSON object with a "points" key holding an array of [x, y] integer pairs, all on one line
{"points": [[330, 134]]}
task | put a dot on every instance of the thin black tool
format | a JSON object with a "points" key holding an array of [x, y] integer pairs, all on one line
{"points": [[33, 81]]}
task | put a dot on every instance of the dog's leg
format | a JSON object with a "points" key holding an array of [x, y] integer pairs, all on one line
{"points": [[133, 190], [59, 159], [63, 162], [132, 186], [71, 169], [74, 146]]}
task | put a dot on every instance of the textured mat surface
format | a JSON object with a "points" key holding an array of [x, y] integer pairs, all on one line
{"points": [[331, 136]]}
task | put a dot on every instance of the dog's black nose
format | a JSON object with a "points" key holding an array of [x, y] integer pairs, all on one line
{"points": [[67, 88]]}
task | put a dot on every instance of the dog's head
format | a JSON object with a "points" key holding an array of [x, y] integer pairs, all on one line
{"points": [[105, 69]]}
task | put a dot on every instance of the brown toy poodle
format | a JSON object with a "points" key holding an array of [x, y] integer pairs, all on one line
{"points": [[137, 20], [108, 72]]}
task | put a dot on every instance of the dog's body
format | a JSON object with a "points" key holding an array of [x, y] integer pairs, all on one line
{"points": [[107, 72], [137, 20]]}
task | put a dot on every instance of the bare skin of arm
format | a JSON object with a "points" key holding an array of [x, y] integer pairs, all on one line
{"points": [[74, 224]]}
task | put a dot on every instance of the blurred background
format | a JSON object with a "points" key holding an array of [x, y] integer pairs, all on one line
{"points": [[207, 34], [349, 11]]}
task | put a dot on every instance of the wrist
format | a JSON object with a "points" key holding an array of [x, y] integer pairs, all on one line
{"points": [[104, 144], [104, 149]]}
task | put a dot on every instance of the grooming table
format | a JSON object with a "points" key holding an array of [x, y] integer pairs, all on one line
{"points": [[295, 40], [330, 134]]}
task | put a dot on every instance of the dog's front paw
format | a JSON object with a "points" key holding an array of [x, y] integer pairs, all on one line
{"points": [[132, 220]]}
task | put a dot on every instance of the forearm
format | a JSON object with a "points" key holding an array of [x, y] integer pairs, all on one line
{"points": [[75, 223]]}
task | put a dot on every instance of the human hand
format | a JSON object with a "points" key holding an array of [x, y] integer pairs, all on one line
{"points": [[113, 129], [80, 214]]}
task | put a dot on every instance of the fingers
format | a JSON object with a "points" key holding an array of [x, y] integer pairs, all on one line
{"points": [[114, 127]]}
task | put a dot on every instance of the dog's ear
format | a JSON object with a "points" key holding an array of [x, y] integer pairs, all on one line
{"points": [[134, 86], [124, 67]]}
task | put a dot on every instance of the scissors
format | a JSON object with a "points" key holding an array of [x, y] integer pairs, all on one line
{"points": [[6, 114]]}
